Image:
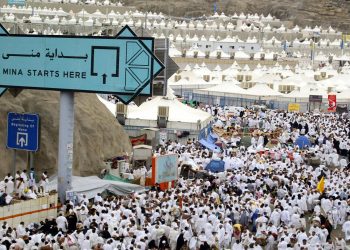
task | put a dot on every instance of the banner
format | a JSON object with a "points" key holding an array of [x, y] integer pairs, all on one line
{"points": [[138, 140], [293, 107], [332, 103], [342, 108], [163, 136], [164, 168], [315, 98]]}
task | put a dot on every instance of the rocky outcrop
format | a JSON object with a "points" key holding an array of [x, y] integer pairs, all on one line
{"points": [[301, 12], [97, 134]]}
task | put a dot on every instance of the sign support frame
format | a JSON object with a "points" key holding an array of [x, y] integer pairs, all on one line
{"points": [[14, 165]]}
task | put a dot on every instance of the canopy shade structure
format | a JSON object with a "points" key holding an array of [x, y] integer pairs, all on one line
{"points": [[92, 185], [180, 116]]}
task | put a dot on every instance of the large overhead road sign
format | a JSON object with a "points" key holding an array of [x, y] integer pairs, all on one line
{"points": [[123, 65]]}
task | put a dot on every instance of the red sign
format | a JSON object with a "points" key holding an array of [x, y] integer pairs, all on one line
{"points": [[332, 103], [138, 140]]}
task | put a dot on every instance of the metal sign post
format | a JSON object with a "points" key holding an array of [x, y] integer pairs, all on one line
{"points": [[14, 163], [65, 146]]}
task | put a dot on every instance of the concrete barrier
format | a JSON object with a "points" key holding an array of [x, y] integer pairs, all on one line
{"points": [[29, 211]]}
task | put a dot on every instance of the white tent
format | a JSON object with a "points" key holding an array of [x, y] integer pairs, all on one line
{"points": [[230, 88], [233, 70], [339, 82], [228, 39], [181, 116], [203, 70], [305, 93], [267, 79], [241, 55], [297, 80], [174, 52], [262, 90], [92, 185], [182, 82], [344, 95]]}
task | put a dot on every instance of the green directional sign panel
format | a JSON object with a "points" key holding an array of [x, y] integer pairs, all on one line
{"points": [[123, 65]]}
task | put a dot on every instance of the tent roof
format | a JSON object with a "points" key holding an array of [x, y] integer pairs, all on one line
{"points": [[344, 95], [227, 87], [305, 93], [178, 112], [262, 90], [92, 185], [267, 78], [297, 80]]}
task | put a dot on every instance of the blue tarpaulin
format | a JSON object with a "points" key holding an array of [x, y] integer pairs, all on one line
{"points": [[212, 138], [216, 166], [210, 146], [302, 142]]}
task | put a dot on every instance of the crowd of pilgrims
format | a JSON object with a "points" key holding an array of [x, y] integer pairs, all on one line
{"points": [[267, 198], [22, 186]]}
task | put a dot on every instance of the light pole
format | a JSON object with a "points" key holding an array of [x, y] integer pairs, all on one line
{"points": [[146, 10]]}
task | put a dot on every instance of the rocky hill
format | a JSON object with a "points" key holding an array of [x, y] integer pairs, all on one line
{"points": [[301, 12], [97, 134]]}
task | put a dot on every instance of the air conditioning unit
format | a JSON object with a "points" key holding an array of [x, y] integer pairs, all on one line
{"points": [[177, 78], [206, 78], [163, 115], [198, 125], [121, 113]]}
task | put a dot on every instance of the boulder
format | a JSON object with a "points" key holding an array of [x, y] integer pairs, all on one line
{"points": [[97, 134]]}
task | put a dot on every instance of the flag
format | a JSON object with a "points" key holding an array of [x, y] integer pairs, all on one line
{"points": [[320, 185], [342, 42], [332, 103], [138, 140]]}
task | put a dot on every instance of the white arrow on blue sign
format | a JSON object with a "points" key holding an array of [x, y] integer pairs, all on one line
{"points": [[123, 65], [23, 131]]}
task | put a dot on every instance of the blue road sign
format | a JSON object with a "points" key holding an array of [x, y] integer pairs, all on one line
{"points": [[123, 65], [23, 131]]}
